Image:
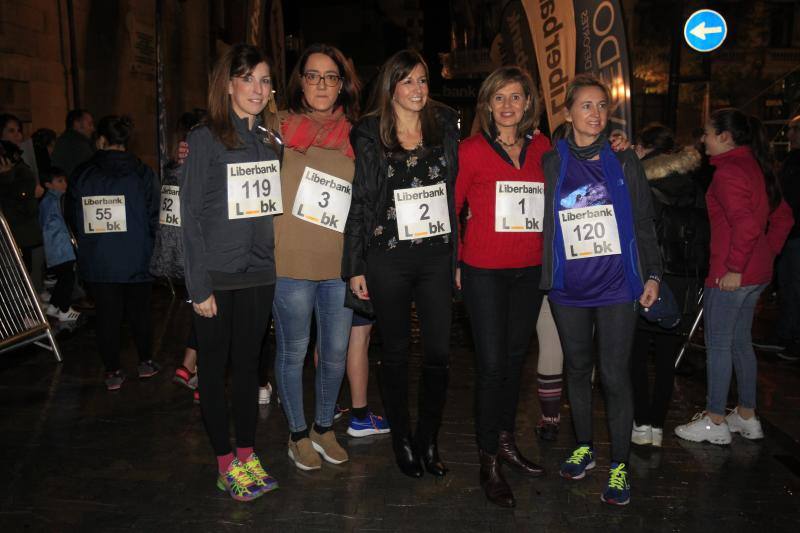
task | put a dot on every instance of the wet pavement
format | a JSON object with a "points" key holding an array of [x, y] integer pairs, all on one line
{"points": [[78, 458]]}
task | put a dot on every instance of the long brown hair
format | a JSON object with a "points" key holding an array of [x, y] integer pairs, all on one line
{"points": [[395, 69], [239, 60], [496, 81], [351, 86]]}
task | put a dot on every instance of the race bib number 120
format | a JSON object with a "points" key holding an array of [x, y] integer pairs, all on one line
{"points": [[254, 189], [104, 214], [422, 212], [323, 200], [170, 212], [518, 206], [589, 231]]}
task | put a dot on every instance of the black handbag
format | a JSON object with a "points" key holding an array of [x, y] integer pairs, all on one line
{"points": [[362, 307]]}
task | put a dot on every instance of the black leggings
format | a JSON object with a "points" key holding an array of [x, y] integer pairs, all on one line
{"points": [[61, 296], [614, 325], [652, 409], [503, 305], [112, 302], [395, 278], [235, 334]]}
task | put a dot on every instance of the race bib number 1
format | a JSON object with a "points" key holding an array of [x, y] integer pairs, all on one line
{"points": [[104, 214], [518, 206], [323, 200], [170, 213], [422, 212], [254, 189], [590, 231]]}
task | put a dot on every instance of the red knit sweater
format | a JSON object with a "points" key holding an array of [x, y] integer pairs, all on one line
{"points": [[480, 167]]}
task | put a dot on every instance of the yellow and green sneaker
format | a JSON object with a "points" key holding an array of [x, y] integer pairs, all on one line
{"points": [[239, 483], [264, 481]]}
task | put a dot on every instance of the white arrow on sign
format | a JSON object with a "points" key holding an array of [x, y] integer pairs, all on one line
{"points": [[700, 31]]}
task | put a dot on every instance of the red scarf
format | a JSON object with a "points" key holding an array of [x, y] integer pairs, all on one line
{"points": [[300, 132]]}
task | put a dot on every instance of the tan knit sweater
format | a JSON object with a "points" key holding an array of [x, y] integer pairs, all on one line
{"points": [[304, 250]]}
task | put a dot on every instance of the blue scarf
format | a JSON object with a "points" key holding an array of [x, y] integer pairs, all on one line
{"points": [[623, 211]]}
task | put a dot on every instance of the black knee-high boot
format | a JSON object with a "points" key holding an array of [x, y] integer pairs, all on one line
{"points": [[432, 396]]}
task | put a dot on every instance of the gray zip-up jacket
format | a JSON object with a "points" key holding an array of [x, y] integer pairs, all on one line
{"points": [[222, 254]]}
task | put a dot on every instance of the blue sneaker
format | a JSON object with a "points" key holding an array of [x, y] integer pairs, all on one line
{"points": [[581, 460], [618, 491], [369, 425]]}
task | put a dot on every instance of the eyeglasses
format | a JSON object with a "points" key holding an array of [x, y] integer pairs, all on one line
{"points": [[315, 78]]}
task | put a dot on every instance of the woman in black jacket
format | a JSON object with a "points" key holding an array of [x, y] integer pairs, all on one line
{"points": [[113, 206], [229, 188], [400, 243]]}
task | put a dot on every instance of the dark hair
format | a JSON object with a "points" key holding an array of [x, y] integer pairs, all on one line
{"points": [[395, 69], [658, 138], [494, 82], [238, 61], [351, 86], [116, 130], [5, 118], [51, 174], [747, 130], [73, 116], [43, 137]]}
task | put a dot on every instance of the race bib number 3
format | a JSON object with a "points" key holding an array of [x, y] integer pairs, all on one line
{"points": [[104, 214], [422, 212], [170, 213], [323, 200], [254, 189], [590, 232], [518, 206]]}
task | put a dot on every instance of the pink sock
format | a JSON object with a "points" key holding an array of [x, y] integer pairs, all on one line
{"points": [[243, 454], [223, 462]]}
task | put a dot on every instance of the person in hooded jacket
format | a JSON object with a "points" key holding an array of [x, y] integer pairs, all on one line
{"points": [[113, 206]]}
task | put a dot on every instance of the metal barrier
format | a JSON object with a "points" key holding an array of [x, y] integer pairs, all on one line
{"points": [[22, 320]]}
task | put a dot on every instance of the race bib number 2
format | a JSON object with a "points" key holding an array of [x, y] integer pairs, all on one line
{"points": [[170, 211], [104, 214], [254, 189], [422, 212], [589, 232], [518, 206], [323, 200]]}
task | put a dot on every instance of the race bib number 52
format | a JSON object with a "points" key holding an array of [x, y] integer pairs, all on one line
{"points": [[104, 214], [422, 212], [254, 189], [170, 211], [589, 231]]}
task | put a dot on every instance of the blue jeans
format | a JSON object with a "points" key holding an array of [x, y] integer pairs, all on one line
{"points": [[728, 323], [295, 301]]}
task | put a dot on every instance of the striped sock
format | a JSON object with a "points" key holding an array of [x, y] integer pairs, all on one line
{"points": [[550, 394]]}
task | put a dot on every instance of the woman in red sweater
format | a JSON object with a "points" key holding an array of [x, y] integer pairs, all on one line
{"points": [[500, 178], [749, 224]]}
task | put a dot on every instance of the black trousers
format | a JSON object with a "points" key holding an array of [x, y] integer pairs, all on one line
{"points": [[113, 302], [234, 335], [61, 296], [650, 406], [395, 278], [614, 325], [503, 306]]}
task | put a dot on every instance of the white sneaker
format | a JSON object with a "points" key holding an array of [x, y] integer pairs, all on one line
{"points": [[701, 428], [264, 394], [70, 315], [642, 435], [749, 429], [658, 437]]}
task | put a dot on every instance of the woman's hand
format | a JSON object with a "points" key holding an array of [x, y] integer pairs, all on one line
{"points": [[358, 285], [730, 281], [183, 152], [620, 143], [650, 293], [5, 165], [38, 191], [458, 278], [207, 309]]}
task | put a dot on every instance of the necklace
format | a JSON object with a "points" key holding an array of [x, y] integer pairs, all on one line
{"points": [[508, 145]]}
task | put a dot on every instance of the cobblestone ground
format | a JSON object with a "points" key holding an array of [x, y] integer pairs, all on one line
{"points": [[78, 458]]}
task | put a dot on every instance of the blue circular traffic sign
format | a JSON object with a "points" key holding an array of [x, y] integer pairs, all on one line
{"points": [[705, 30]]}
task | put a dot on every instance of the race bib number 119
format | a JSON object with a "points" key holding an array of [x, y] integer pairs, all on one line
{"points": [[254, 189]]}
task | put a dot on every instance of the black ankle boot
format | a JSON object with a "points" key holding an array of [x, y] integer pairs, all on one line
{"points": [[508, 453], [406, 457], [494, 484], [429, 451]]}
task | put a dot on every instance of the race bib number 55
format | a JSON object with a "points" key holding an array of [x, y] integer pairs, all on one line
{"points": [[590, 231], [104, 214], [254, 189], [323, 200], [422, 212]]}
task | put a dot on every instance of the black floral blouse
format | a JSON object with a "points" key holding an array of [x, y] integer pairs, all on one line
{"points": [[420, 167]]}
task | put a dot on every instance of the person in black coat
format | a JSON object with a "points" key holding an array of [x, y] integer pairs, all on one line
{"points": [[113, 207]]}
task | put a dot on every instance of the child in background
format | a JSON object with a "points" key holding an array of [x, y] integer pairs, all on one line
{"points": [[58, 247]]}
